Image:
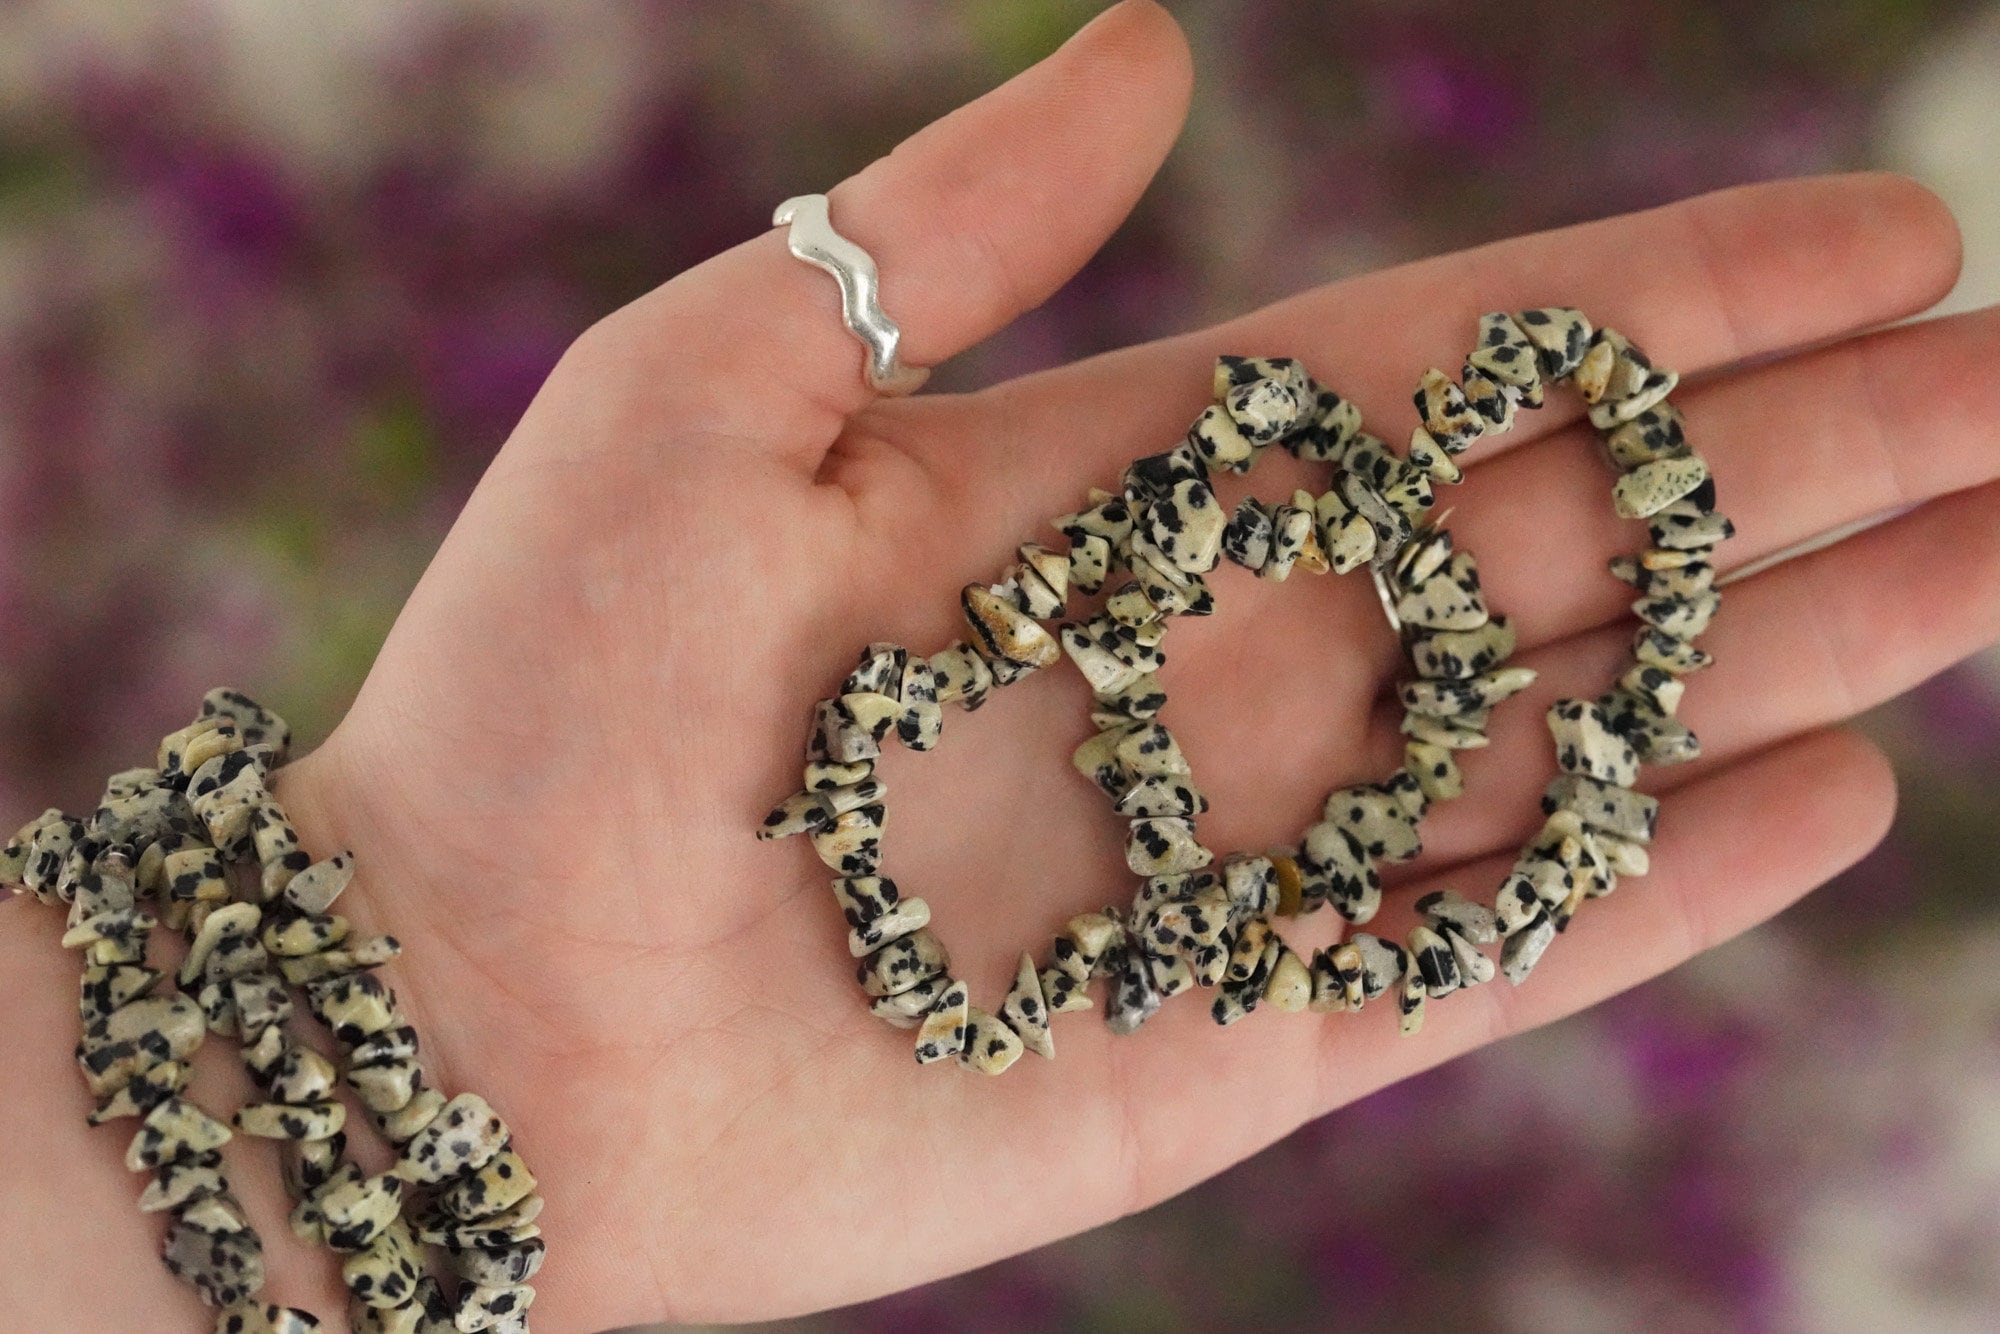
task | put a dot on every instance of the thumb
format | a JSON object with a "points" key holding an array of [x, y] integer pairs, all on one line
{"points": [[973, 220]]}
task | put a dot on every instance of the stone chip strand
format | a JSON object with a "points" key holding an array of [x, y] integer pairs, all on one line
{"points": [[174, 833], [1197, 922]]}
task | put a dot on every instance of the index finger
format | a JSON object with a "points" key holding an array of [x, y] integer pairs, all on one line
{"points": [[1703, 283]]}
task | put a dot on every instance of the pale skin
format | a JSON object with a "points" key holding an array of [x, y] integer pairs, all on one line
{"points": [[553, 772]]}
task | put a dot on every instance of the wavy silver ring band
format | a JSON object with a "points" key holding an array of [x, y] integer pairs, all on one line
{"points": [[813, 239]]}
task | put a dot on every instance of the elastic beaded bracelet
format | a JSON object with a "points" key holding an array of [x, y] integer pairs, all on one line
{"points": [[1190, 925], [175, 833]]}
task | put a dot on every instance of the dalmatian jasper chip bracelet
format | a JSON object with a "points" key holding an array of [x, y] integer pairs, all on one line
{"points": [[1196, 921], [198, 844]]}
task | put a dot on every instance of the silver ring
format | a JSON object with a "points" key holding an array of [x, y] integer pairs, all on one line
{"points": [[812, 238]]}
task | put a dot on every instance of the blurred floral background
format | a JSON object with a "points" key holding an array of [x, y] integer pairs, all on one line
{"points": [[275, 281]]}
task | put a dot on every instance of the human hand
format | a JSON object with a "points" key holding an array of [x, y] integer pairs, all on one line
{"points": [[553, 773]]}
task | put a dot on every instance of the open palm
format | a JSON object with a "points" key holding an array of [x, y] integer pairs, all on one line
{"points": [[553, 773]]}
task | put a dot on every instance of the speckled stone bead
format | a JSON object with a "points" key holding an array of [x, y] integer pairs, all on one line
{"points": [[1681, 617], [1025, 584], [386, 1086], [991, 1044], [1496, 403], [301, 1075], [1446, 414], [921, 723], [1264, 397], [877, 670], [1026, 1010], [1426, 454], [499, 1310], [1634, 387], [255, 724], [906, 1008], [356, 956], [390, 1044], [1384, 829], [1161, 795], [464, 1137], [353, 1006], [1450, 599], [1220, 442], [497, 1265], [265, 1318], [1689, 524], [901, 964], [182, 1181], [1139, 701], [1445, 909], [277, 1120], [400, 1127], [1247, 538], [1007, 632], [1336, 980], [260, 1001], [1339, 868], [183, 753], [1292, 535], [796, 814], [1646, 436], [225, 1268], [1561, 335], [1457, 654], [501, 1184], [1186, 526], [1435, 770], [1346, 538], [515, 1223], [1090, 560], [105, 988], [314, 889], [1392, 527], [1171, 592], [173, 1130], [1651, 487], [1434, 961], [1587, 744], [1133, 997], [232, 923], [352, 1209], [290, 936], [1289, 987], [1107, 517], [907, 916], [944, 1030], [1466, 732], [1524, 948], [1129, 605], [851, 842], [1332, 425], [1474, 968], [1063, 992], [169, 1026], [1164, 845], [1615, 810], [1505, 354], [1456, 698], [385, 1273], [426, 1311], [1104, 670], [1654, 647], [864, 898]]}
